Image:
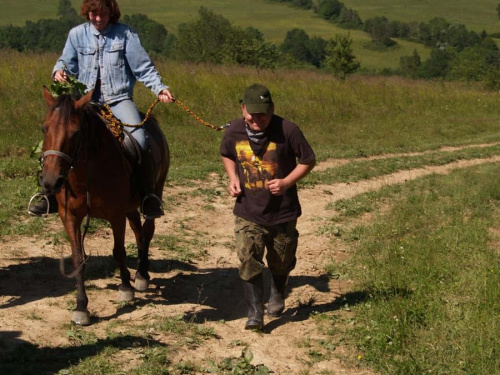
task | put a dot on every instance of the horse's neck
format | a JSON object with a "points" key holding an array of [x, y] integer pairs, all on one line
{"points": [[102, 144]]}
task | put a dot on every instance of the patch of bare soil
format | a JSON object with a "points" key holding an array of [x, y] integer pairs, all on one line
{"points": [[35, 299]]}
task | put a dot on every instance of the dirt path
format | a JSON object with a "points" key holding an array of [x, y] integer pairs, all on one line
{"points": [[35, 299]]}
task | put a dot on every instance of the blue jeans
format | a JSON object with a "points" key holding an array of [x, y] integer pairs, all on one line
{"points": [[127, 112]]}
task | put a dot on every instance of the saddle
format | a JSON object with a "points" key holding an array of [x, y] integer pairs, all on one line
{"points": [[129, 145]]}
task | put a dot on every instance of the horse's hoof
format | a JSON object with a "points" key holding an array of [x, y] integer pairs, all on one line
{"points": [[141, 284], [125, 295], [81, 318]]}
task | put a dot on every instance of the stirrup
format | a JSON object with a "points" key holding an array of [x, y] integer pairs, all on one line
{"points": [[144, 200], [43, 196]]}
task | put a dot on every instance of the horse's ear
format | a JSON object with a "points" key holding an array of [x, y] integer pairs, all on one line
{"points": [[80, 103], [47, 95]]}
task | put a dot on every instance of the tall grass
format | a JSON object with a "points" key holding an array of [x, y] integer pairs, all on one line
{"points": [[360, 116]]}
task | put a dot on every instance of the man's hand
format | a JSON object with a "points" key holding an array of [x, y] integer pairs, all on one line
{"points": [[234, 187], [277, 186]]}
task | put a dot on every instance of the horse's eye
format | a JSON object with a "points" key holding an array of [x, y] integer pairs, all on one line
{"points": [[75, 135], [44, 130]]}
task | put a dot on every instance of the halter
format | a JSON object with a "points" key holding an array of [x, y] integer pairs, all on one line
{"points": [[57, 153]]}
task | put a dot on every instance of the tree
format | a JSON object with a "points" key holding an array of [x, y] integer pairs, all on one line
{"points": [[317, 50], [437, 65], [201, 40], [409, 65], [329, 9], [153, 34], [297, 44], [213, 39], [349, 19], [66, 11], [340, 59], [304, 4], [379, 30]]}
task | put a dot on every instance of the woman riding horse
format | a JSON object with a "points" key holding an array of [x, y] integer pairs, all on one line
{"points": [[108, 58], [85, 168]]}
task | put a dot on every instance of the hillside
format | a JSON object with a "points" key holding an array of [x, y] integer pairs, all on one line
{"points": [[275, 19], [477, 15]]}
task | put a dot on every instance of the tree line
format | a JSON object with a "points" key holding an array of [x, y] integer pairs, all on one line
{"points": [[456, 52], [211, 38]]}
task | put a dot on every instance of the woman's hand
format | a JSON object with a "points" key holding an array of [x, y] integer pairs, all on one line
{"points": [[60, 76], [165, 96]]}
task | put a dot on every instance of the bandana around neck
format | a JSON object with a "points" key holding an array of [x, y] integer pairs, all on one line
{"points": [[258, 140], [254, 136]]}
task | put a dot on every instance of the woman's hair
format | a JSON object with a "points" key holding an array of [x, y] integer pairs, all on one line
{"points": [[97, 6]]}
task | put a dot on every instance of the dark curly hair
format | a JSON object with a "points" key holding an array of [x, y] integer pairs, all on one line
{"points": [[97, 6]]}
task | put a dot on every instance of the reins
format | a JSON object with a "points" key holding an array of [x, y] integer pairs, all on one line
{"points": [[197, 118], [116, 126]]}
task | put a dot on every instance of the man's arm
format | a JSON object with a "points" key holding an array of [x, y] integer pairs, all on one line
{"points": [[232, 174], [280, 185]]}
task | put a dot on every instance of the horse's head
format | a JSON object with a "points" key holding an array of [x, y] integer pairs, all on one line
{"points": [[61, 138]]}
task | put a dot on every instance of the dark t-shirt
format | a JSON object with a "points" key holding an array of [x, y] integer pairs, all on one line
{"points": [[284, 146]]}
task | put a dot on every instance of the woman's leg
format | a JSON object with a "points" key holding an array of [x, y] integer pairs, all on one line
{"points": [[127, 112]]}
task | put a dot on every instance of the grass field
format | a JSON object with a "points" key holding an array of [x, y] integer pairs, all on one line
{"points": [[426, 267]]}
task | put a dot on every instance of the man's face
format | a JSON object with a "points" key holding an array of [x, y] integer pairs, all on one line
{"points": [[257, 121]]}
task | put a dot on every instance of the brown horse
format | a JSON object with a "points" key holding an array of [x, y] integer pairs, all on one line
{"points": [[84, 166]]}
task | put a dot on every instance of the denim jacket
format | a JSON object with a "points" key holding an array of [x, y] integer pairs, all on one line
{"points": [[115, 56]]}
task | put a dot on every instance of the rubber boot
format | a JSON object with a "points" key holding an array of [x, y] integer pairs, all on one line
{"points": [[44, 206], [254, 290], [151, 206], [276, 303]]}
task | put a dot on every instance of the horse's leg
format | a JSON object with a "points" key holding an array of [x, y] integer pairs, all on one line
{"points": [[142, 275], [126, 292], [81, 315]]}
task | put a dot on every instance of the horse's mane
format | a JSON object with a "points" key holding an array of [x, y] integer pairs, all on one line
{"points": [[93, 130]]}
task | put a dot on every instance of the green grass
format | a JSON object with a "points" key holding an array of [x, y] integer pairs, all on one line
{"points": [[428, 273]]}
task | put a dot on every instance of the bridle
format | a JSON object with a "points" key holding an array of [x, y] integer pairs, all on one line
{"points": [[57, 153], [61, 155]]}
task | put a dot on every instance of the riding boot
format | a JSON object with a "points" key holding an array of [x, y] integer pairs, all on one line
{"points": [[276, 303], [151, 206], [254, 290], [44, 206]]}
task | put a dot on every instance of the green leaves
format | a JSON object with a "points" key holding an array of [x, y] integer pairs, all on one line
{"points": [[72, 87]]}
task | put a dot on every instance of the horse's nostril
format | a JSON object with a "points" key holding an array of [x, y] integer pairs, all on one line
{"points": [[52, 186], [59, 184]]}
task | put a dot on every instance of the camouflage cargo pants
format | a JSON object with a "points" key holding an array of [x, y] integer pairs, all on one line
{"points": [[253, 239]]}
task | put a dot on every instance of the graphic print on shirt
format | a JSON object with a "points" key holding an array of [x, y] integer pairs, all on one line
{"points": [[257, 170]]}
